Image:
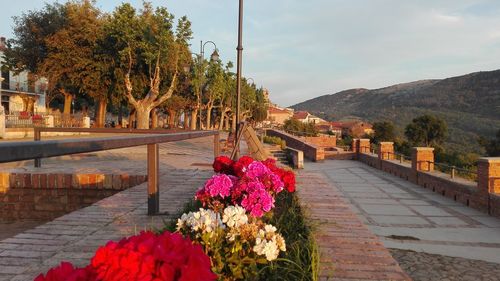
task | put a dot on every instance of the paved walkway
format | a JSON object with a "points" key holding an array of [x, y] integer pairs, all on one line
{"points": [[348, 250], [408, 217]]}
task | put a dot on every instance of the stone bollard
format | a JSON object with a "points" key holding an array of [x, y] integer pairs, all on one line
{"points": [[422, 159], [86, 122], [364, 146], [488, 175], [386, 150]]}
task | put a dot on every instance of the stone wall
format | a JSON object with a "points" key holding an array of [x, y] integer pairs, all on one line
{"points": [[48, 196], [483, 195], [322, 141], [311, 152]]}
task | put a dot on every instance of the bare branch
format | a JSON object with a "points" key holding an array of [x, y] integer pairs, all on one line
{"points": [[169, 93], [128, 83]]}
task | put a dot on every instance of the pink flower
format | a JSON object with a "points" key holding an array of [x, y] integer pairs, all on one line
{"points": [[257, 169], [258, 200], [219, 185]]}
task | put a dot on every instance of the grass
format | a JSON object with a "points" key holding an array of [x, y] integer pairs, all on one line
{"points": [[301, 260]]}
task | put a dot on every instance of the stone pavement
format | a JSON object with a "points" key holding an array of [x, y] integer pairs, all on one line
{"points": [[348, 250], [408, 217]]}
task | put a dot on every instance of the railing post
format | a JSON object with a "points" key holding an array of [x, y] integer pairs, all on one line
{"points": [[422, 159], [453, 172], [153, 171], [37, 135], [216, 145]]}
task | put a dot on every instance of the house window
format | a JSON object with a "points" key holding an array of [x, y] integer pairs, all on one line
{"points": [[5, 103], [6, 81]]}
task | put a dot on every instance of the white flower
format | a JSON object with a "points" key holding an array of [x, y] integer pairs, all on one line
{"points": [[204, 221], [234, 216], [269, 243]]}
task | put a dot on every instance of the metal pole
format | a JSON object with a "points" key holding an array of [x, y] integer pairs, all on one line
{"points": [[239, 49], [37, 137], [216, 145], [153, 170], [202, 58]]}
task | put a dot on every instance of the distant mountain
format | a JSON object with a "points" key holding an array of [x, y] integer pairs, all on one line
{"points": [[470, 104]]}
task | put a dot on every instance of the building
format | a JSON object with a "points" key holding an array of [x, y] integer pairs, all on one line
{"points": [[356, 129], [277, 116], [23, 91], [306, 117]]}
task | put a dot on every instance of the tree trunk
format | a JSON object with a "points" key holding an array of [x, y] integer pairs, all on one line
{"points": [[171, 118], [185, 119], [221, 123], [233, 124], [226, 126], [131, 119], [154, 119], [100, 116], [209, 115], [194, 118], [67, 103], [142, 117]]}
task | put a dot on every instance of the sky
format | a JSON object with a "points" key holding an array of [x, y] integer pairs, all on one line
{"points": [[300, 49]]}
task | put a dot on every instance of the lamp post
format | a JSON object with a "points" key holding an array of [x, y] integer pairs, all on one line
{"points": [[239, 49], [213, 57]]}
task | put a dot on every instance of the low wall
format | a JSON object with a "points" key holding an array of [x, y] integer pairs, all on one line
{"points": [[322, 141], [48, 196], [296, 157], [335, 155], [20, 133], [311, 151], [463, 191]]}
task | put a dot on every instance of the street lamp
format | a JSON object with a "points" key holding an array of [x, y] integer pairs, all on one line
{"points": [[239, 49], [248, 79], [214, 57]]}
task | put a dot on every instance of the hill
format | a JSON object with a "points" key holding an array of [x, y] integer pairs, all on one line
{"points": [[470, 104]]}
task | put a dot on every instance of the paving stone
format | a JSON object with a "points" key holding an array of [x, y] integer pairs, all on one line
{"points": [[399, 220], [373, 209], [447, 221]]}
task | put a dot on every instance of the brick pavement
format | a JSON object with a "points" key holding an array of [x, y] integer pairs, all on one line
{"points": [[75, 237], [348, 250]]}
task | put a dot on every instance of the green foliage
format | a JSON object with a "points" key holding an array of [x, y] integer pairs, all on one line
{"points": [[259, 112], [492, 146], [426, 130], [384, 131], [295, 126], [28, 47], [275, 140], [301, 260]]}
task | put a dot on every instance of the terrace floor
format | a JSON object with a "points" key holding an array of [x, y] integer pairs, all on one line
{"points": [[433, 237]]}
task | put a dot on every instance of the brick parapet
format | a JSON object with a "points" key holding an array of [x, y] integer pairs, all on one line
{"points": [[311, 151], [39, 196], [386, 150]]}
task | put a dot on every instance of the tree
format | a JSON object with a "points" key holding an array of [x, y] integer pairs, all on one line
{"points": [[492, 146], [426, 130], [148, 55], [214, 88], [384, 131], [74, 63]]}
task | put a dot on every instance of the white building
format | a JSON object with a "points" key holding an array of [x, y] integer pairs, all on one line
{"points": [[21, 92]]}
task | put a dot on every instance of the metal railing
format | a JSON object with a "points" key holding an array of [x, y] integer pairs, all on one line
{"points": [[396, 156], [19, 151], [452, 170], [26, 119]]}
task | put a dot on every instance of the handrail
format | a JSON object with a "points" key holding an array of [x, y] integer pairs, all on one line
{"points": [[453, 169], [301, 134], [37, 133], [401, 156], [18, 151]]}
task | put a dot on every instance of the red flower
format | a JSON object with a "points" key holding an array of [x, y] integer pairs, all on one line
{"points": [[241, 165], [148, 256], [288, 179], [223, 164], [67, 272]]}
